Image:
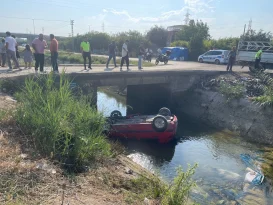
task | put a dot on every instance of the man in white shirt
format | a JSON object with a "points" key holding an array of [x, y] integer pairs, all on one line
{"points": [[11, 51], [125, 55]]}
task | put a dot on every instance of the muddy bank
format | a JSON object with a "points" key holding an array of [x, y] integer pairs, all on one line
{"points": [[249, 120]]}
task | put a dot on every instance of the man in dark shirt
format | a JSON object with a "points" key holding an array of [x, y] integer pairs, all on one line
{"points": [[141, 52], [112, 53], [231, 59]]}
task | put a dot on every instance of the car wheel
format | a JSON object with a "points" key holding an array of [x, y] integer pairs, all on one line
{"points": [[164, 112], [217, 62], [201, 60], [165, 62], [160, 123], [115, 114]]}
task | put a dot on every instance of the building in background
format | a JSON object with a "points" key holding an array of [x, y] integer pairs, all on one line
{"points": [[171, 32]]}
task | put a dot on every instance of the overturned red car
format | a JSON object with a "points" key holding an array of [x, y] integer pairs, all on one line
{"points": [[161, 127]]}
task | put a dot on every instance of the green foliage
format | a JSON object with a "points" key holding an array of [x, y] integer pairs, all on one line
{"points": [[157, 35], [267, 98], [60, 125], [222, 43], [232, 91], [189, 31], [194, 33], [180, 43], [10, 86], [257, 36], [196, 47], [178, 192], [175, 193]]}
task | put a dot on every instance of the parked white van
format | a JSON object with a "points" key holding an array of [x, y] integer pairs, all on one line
{"points": [[214, 56]]}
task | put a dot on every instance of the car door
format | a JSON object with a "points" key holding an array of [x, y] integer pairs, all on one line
{"points": [[207, 56], [213, 56]]}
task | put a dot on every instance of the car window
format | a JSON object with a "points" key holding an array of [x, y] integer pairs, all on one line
{"points": [[208, 53], [217, 53], [226, 53]]}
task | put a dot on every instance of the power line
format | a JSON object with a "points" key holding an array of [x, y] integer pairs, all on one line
{"points": [[23, 18]]}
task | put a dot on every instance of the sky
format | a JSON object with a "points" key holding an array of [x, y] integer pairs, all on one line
{"points": [[226, 18]]}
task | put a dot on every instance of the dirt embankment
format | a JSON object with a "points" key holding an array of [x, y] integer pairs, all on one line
{"points": [[27, 178], [240, 115]]}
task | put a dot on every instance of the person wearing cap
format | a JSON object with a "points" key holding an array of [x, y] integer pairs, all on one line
{"points": [[258, 58], [125, 55], [11, 50]]}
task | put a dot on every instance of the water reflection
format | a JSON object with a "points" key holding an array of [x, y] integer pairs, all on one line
{"points": [[109, 101], [220, 173]]}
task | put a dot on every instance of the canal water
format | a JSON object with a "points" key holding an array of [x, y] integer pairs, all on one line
{"points": [[220, 173]]}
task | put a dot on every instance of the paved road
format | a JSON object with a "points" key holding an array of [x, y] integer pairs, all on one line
{"points": [[171, 66]]}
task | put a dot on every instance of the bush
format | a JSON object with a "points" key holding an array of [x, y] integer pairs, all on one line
{"points": [[61, 126], [232, 91], [176, 193], [180, 43]]}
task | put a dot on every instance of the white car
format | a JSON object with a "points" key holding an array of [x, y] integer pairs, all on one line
{"points": [[214, 56]]}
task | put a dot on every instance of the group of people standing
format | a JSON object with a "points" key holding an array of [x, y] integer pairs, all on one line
{"points": [[9, 51], [124, 55], [232, 59]]}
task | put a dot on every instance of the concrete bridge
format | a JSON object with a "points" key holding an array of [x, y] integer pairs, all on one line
{"points": [[144, 89], [153, 87]]}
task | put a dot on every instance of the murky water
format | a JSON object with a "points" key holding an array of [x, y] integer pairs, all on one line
{"points": [[220, 173]]}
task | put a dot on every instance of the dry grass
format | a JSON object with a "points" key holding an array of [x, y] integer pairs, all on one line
{"points": [[26, 178]]}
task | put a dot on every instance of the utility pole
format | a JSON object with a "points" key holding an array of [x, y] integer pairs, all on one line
{"points": [[72, 33], [102, 27], [72, 30], [33, 26], [249, 26], [187, 19]]}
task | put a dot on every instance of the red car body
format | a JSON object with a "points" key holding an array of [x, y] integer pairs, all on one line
{"points": [[142, 127]]}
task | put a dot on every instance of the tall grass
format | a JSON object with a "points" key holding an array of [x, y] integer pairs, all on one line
{"points": [[175, 193], [61, 125], [232, 92], [267, 98]]}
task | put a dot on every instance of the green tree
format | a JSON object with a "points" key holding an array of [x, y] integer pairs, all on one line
{"points": [[134, 37], [257, 36], [192, 29], [180, 44], [222, 43], [157, 35], [196, 46]]}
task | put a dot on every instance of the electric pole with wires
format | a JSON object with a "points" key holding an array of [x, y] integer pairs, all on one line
{"points": [[72, 33]]}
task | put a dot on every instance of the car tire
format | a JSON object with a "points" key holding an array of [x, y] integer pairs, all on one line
{"points": [[201, 60], [160, 123], [217, 62], [116, 114], [164, 112]]}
